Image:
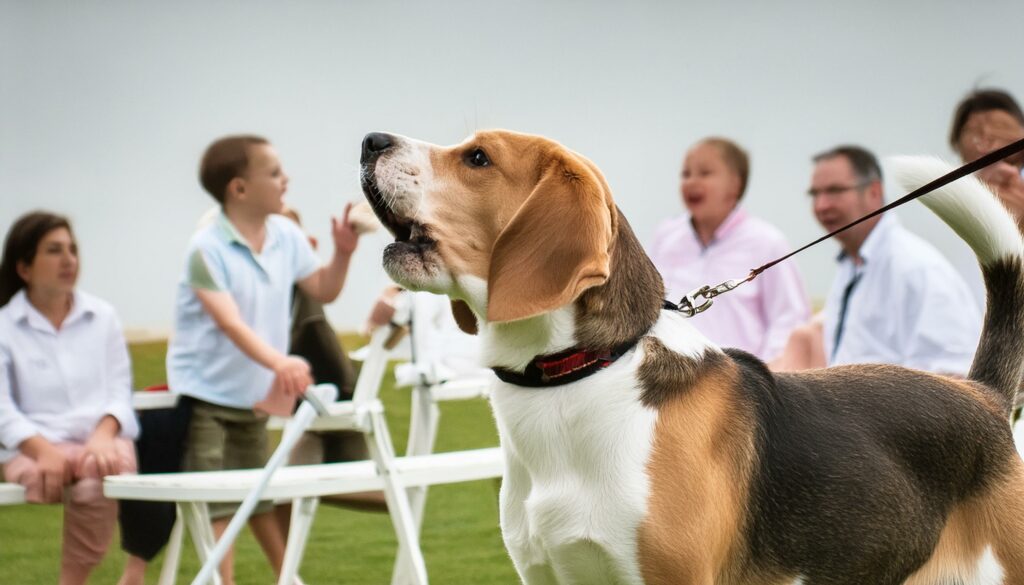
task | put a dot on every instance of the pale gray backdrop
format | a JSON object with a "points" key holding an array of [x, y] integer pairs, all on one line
{"points": [[106, 106]]}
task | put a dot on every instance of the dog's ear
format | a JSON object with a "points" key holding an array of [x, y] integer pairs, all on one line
{"points": [[556, 245], [464, 317]]}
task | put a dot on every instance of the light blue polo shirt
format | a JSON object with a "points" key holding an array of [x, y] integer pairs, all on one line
{"points": [[202, 361]]}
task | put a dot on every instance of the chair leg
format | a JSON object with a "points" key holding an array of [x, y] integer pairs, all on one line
{"points": [[303, 511], [196, 516], [172, 556], [424, 420], [383, 453]]}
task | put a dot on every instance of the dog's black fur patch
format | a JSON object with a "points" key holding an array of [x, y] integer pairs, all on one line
{"points": [[858, 468], [994, 362], [665, 374]]}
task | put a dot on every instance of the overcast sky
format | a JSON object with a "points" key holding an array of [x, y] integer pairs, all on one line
{"points": [[106, 106]]}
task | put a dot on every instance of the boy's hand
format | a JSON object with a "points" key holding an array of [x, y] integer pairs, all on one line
{"points": [[292, 375], [325, 284], [344, 234]]}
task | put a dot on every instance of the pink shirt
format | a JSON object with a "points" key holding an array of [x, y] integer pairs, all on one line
{"points": [[759, 315]]}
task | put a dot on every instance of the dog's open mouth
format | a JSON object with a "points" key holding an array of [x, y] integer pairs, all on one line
{"points": [[406, 230]]}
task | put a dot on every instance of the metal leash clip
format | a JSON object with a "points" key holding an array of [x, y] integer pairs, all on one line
{"points": [[690, 306]]}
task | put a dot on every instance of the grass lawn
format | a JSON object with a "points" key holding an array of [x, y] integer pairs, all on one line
{"points": [[461, 540]]}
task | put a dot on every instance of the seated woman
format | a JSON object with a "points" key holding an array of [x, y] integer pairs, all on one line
{"points": [[717, 240], [66, 417]]}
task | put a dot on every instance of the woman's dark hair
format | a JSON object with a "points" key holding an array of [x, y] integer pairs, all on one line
{"points": [[225, 159], [21, 244], [981, 100]]}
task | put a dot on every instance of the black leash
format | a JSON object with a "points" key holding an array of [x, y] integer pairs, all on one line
{"points": [[574, 364], [699, 300]]}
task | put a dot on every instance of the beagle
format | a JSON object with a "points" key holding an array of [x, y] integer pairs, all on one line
{"points": [[639, 452]]}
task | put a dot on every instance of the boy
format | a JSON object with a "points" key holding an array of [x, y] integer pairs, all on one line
{"points": [[233, 313]]}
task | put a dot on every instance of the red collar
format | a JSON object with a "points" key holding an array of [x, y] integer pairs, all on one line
{"points": [[564, 367], [558, 365]]}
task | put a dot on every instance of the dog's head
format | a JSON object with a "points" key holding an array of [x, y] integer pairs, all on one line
{"points": [[512, 224]]}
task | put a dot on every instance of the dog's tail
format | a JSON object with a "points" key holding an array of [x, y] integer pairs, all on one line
{"points": [[980, 219]]}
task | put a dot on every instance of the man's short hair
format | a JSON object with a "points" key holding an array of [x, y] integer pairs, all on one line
{"points": [[865, 165], [981, 100], [225, 159]]}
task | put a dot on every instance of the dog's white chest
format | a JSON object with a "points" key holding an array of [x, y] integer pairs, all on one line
{"points": [[576, 487]]}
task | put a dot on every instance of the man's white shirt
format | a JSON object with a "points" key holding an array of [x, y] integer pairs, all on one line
{"points": [[909, 306]]}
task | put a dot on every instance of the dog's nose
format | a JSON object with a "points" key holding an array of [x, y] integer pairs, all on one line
{"points": [[374, 144]]}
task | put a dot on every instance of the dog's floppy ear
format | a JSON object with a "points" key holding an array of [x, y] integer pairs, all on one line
{"points": [[464, 317], [556, 245]]}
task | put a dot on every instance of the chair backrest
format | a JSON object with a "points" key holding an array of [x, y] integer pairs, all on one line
{"points": [[375, 362], [438, 350]]}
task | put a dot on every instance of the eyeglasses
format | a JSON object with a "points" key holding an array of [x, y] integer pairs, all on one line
{"points": [[835, 190]]}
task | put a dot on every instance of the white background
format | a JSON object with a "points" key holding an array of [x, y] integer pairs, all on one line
{"points": [[105, 107]]}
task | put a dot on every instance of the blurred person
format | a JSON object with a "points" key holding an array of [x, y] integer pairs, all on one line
{"points": [[895, 299], [66, 417], [313, 339], [146, 525], [232, 317], [717, 240], [438, 349], [985, 120]]}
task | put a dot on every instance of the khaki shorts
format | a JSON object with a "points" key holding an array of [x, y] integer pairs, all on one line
{"points": [[329, 447], [219, 438]]}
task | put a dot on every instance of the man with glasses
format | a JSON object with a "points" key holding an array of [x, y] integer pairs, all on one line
{"points": [[895, 299]]}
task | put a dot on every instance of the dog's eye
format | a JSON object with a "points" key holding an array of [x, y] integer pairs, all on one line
{"points": [[477, 158]]}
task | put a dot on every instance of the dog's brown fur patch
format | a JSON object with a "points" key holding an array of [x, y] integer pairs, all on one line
{"points": [[994, 519], [699, 472], [467, 224], [515, 237], [1004, 515]]}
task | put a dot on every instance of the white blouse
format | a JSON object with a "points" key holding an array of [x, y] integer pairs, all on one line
{"points": [[61, 383]]}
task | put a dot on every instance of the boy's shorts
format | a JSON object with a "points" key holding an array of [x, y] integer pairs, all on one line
{"points": [[329, 447], [219, 438]]}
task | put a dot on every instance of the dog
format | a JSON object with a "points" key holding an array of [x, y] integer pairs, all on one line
{"points": [[639, 452]]}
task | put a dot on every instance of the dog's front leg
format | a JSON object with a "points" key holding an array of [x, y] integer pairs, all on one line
{"points": [[528, 557]]}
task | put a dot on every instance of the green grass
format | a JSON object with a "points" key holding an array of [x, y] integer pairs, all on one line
{"points": [[461, 540]]}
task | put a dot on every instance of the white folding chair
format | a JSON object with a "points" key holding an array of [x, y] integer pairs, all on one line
{"points": [[11, 494], [365, 414], [403, 480], [152, 398], [431, 382]]}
